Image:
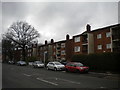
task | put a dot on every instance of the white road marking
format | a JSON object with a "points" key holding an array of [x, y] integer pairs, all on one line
{"points": [[67, 80], [27, 75], [47, 81], [102, 87]]}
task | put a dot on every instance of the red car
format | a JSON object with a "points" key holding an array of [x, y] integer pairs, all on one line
{"points": [[76, 67]]}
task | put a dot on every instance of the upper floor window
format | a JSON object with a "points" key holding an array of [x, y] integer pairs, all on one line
{"points": [[77, 49], [62, 45], [99, 36], [54, 53], [99, 47], [108, 46], [77, 39], [63, 52], [108, 34], [54, 46]]}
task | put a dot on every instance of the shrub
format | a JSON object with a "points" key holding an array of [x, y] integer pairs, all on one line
{"points": [[99, 62]]}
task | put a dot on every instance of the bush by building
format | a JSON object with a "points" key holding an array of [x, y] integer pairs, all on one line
{"points": [[101, 62]]}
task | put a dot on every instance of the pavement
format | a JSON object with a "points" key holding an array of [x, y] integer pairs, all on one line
{"points": [[29, 77], [0, 75]]}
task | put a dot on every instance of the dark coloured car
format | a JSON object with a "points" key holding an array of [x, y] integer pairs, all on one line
{"points": [[76, 67], [64, 62], [21, 63]]}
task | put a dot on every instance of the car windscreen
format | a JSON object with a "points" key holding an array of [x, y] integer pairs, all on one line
{"points": [[78, 64], [38, 62], [57, 63]]}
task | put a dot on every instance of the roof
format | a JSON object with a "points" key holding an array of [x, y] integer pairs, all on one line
{"points": [[106, 27], [85, 32]]}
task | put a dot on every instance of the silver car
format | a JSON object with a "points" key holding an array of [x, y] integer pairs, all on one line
{"points": [[21, 63], [55, 66], [38, 64]]}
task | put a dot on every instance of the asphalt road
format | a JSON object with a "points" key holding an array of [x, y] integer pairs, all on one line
{"points": [[28, 77]]}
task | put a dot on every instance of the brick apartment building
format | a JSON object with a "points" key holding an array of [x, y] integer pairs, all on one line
{"points": [[106, 39], [101, 40]]}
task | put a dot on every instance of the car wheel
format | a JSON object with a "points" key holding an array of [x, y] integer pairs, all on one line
{"points": [[66, 70], [77, 71], [55, 69]]}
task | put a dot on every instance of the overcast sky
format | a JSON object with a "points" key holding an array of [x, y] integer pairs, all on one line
{"points": [[54, 20]]}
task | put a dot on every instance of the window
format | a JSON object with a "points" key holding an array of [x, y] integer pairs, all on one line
{"points": [[99, 36], [63, 58], [41, 48], [54, 53], [77, 39], [77, 49], [62, 45], [99, 47], [108, 34], [63, 52], [108, 46]]}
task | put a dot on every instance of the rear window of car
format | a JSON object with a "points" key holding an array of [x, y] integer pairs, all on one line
{"points": [[78, 64]]}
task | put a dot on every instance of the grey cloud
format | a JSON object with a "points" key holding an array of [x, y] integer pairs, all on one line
{"points": [[60, 18]]}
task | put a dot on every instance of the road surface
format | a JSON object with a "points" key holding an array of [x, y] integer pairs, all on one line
{"points": [[29, 77]]}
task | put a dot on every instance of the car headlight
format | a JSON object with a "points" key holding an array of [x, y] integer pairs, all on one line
{"points": [[81, 67]]}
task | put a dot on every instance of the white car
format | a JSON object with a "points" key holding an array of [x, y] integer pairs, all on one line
{"points": [[21, 63], [38, 64], [55, 66]]}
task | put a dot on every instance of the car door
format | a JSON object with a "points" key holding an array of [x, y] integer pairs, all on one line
{"points": [[50, 65], [72, 67]]}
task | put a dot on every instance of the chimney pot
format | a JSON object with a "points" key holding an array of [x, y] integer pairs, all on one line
{"points": [[88, 27], [52, 41], [67, 37], [45, 42]]}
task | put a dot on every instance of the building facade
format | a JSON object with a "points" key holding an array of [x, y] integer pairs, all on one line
{"points": [[106, 39]]}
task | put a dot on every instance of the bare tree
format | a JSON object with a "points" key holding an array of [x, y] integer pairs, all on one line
{"points": [[22, 34]]}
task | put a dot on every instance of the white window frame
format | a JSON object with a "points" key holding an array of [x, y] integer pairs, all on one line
{"points": [[108, 34], [77, 39], [54, 53], [108, 46], [77, 49], [99, 36], [63, 52], [99, 47], [62, 45], [63, 58]]}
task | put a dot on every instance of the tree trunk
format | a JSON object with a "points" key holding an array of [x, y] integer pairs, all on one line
{"points": [[23, 53]]}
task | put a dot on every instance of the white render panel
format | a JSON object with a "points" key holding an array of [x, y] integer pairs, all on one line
{"points": [[90, 43]]}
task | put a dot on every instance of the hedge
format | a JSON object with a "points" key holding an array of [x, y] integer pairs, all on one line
{"points": [[100, 62]]}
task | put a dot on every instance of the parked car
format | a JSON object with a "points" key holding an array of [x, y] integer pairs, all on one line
{"points": [[38, 64], [11, 62], [21, 63], [64, 62], [76, 67], [55, 66]]}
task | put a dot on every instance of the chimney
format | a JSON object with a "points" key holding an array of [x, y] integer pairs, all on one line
{"points": [[52, 41], [67, 37], [88, 27], [45, 42]]}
